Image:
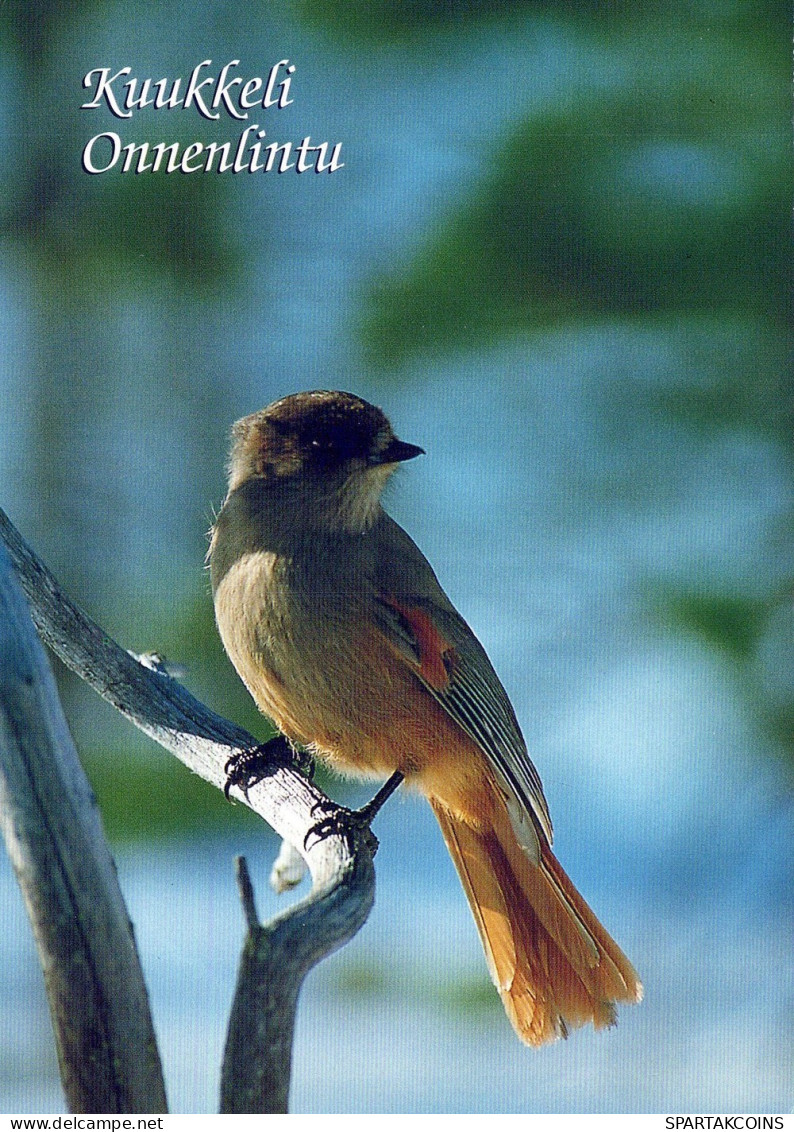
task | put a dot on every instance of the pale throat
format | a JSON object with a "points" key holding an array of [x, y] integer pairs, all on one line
{"points": [[358, 500]]}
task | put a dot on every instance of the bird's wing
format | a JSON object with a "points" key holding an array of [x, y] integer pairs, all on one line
{"points": [[431, 636]]}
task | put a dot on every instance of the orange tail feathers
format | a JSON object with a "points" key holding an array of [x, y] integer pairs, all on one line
{"points": [[552, 962]]}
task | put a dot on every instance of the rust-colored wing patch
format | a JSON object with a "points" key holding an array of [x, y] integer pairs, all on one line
{"points": [[432, 654]]}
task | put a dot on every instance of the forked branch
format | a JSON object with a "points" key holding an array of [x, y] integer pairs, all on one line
{"points": [[276, 957]]}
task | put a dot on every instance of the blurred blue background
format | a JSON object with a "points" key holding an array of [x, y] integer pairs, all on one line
{"points": [[558, 257]]}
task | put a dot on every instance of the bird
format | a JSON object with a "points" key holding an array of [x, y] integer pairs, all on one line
{"points": [[339, 628]]}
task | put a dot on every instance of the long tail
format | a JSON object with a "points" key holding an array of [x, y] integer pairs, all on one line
{"points": [[552, 962]]}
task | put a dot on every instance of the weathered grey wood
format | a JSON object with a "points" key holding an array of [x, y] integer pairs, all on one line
{"points": [[340, 865], [263, 1015], [263, 1011], [100, 1011]]}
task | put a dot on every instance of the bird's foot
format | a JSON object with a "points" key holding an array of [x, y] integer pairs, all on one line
{"points": [[342, 822], [247, 767]]}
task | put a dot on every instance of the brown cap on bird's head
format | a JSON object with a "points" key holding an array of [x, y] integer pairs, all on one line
{"points": [[324, 445], [314, 432]]}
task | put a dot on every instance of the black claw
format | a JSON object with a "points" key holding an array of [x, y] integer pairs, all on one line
{"points": [[250, 766], [341, 822]]}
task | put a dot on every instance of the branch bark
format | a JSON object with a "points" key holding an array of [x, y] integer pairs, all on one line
{"points": [[340, 864], [100, 1011]]}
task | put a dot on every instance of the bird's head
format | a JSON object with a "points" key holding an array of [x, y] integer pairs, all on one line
{"points": [[333, 451]]}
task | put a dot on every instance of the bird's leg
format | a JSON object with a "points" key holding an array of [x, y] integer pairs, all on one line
{"points": [[247, 767], [368, 812]]}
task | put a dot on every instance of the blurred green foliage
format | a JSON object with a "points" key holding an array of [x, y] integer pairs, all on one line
{"points": [[729, 622], [738, 626], [113, 227], [386, 21], [154, 796], [748, 389], [364, 981], [629, 207], [410, 21], [33, 30], [129, 230]]}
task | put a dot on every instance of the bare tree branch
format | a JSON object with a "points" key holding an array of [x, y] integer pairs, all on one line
{"points": [[340, 863], [263, 1012], [100, 1011]]}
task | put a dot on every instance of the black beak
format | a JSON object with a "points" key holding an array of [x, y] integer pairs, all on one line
{"points": [[396, 452]]}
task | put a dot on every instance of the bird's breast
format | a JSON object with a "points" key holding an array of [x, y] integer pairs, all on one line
{"points": [[295, 635]]}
